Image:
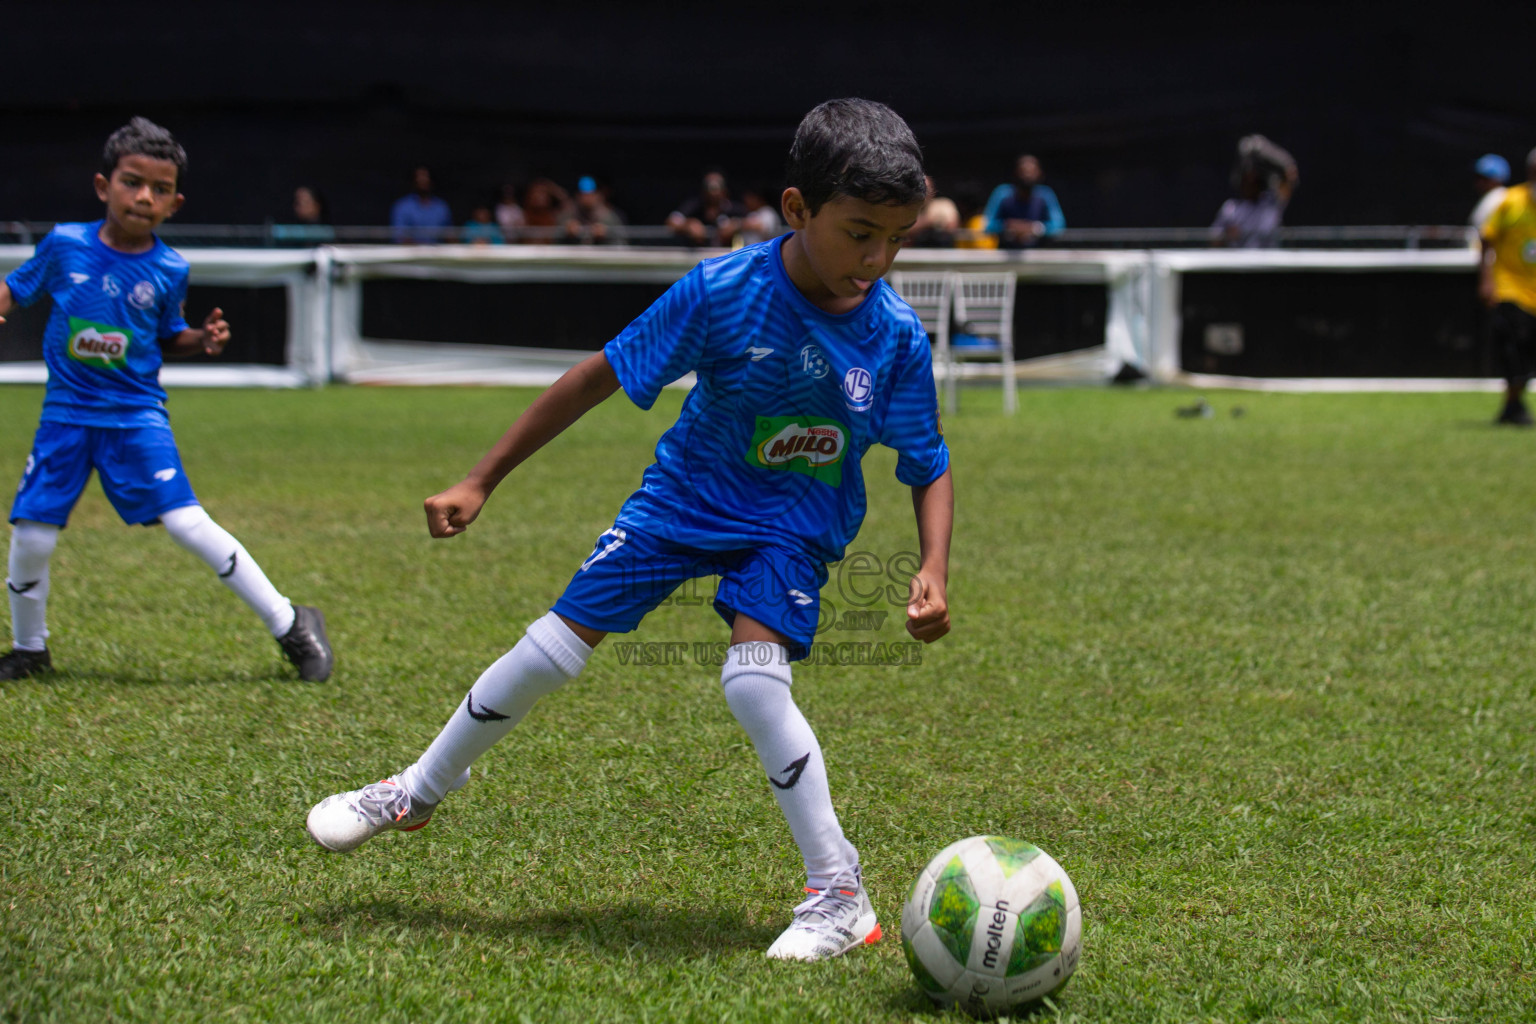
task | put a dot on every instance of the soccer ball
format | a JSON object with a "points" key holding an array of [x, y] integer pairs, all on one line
{"points": [[992, 924]]}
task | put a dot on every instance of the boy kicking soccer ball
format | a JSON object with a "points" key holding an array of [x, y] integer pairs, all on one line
{"points": [[117, 296], [804, 358]]}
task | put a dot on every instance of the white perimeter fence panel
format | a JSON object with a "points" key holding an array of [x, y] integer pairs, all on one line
{"points": [[523, 360], [1165, 277], [359, 359], [325, 316], [303, 272]]}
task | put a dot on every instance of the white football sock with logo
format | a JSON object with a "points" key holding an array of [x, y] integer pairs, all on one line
{"points": [[756, 679], [547, 655], [195, 530], [26, 582]]}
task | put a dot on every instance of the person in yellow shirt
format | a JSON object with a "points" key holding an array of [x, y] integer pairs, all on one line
{"points": [[1507, 286]]}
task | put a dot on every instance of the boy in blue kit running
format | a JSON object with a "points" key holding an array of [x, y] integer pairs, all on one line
{"points": [[804, 358], [117, 306]]}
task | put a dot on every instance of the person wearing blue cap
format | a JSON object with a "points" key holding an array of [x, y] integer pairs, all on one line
{"points": [[1489, 176], [589, 219], [1507, 285]]}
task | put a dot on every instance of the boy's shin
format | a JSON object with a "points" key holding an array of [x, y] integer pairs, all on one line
{"points": [[757, 688], [547, 655], [27, 582]]}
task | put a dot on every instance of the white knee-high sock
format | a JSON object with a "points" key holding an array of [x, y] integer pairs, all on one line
{"points": [[195, 530], [756, 678], [547, 655], [26, 582]]}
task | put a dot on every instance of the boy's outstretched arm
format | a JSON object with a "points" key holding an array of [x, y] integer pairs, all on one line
{"points": [[209, 338], [567, 400], [6, 302], [928, 602]]}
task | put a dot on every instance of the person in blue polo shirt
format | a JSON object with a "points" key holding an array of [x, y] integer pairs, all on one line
{"points": [[1024, 212], [421, 218], [117, 296]]}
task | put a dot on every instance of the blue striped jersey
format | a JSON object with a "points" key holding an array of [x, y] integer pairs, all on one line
{"points": [[110, 311], [767, 448]]}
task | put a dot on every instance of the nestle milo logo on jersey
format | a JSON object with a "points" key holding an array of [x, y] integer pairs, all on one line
{"points": [[98, 344], [800, 444]]}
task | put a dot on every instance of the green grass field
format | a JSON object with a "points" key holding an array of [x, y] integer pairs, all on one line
{"points": [[1263, 685]]}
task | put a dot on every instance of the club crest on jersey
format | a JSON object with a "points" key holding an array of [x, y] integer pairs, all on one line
{"points": [[813, 362], [800, 444], [98, 345], [858, 389], [142, 296]]}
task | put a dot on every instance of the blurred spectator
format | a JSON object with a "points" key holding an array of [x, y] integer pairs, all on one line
{"points": [[760, 221], [421, 217], [309, 206], [1507, 285], [1489, 176], [311, 223], [710, 218], [937, 223], [543, 203], [482, 228], [1264, 177], [589, 218], [1022, 213], [509, 216]]}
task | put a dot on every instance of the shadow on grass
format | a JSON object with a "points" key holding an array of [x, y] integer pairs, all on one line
{"points": [[632, 930], [1489, 425], [182, 675], [910, 1001]]}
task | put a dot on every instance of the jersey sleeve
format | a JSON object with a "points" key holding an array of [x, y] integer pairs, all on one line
{"points": [[1490, 229], [172, 318], [1055, 220], [28, 281], [912, 422], [995, 200], [663, 343]]}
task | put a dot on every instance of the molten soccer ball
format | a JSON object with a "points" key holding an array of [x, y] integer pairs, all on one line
{"points": [[992, 924]]}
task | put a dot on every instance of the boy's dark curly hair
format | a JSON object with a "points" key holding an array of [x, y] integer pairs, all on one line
{"points": [[142, 137], [857, 148]]}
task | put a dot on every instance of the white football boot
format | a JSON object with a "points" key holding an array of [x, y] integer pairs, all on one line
{"points": [[345, 821], [830, 923]]}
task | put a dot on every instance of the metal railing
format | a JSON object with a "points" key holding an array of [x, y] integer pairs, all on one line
{"points": [[279, 236], [1359, 236], [1353, 236]]}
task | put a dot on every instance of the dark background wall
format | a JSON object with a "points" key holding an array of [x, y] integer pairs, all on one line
{"points": [[1134, 110]]}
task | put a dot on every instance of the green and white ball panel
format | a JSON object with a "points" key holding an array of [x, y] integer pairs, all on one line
{"points": [[937, 973]]}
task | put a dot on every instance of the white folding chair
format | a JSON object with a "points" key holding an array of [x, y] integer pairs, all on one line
{"points": [[983, 305], [930, 294]]}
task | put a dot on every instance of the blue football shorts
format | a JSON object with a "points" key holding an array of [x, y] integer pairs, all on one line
{"points": [[630, 572], [140, 470]]}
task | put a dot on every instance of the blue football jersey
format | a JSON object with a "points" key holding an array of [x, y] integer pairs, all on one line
{"points": [[110, 311], [789, 397]]}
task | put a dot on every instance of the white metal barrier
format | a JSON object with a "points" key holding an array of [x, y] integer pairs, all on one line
{"points": [[303, 272], [524, 360], [1163, 303], [325, 339]]}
